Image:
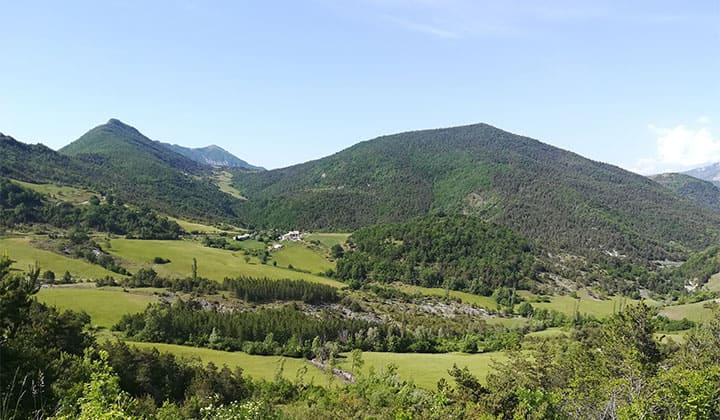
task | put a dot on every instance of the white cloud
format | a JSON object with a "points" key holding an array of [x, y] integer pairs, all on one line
{"points": [[703, 119], [679, 148]]}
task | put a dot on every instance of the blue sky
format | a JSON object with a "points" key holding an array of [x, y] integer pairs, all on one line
{"points": [[634, 83]]}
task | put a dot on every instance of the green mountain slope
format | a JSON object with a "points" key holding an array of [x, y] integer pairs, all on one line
{"points": [[38, 163], [142, 171], [547, 194], [212, 156], [700, 192]]}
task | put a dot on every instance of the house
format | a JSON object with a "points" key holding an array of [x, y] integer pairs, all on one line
{"points": [[242, 237], [293, 235]]}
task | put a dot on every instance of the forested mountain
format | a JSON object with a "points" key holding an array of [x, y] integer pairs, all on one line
{"points": [[703, 193], [212, 156], [38, 163], [118, 159], [554, 196], [706, 173]]}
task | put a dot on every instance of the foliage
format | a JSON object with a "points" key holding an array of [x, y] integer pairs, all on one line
{"points": [[459, 252], [555, 197], [20, 205], [265, 290]]}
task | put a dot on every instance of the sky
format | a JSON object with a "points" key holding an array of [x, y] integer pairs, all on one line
{"points": [[633, 83]]}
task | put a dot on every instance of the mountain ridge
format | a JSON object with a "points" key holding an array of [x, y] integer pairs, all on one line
{"points": [[541, 191], [212, 155]]}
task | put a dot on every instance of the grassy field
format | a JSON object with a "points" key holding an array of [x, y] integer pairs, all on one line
{"points": [[426, 369], [714, 283], [104, 305], [261, 367], [223, 180], [21, 250], [327, 239], [301, 257], [59, 192], [585, 304], [469, 298], [213, 263], [693, 311]]}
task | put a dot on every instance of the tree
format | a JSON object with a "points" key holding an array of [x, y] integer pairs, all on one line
{"points": [[67, 277]]}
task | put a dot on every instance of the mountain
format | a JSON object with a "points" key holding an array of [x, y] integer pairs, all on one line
{"points": [[558, 198], [702, 193], [212, 156], [38, 163], [144, 172], [707, 173]]}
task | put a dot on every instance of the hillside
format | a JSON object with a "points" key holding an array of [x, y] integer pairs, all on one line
{"points": [[212, 156], [709, 173], [39, 163], [141, 171], [701, 192], [547, 194]]}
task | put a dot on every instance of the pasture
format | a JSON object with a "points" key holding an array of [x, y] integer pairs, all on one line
{"points": [[327, 239], [426, 369], [213, 263], [25, 254], [260, 367], [105, 305]]}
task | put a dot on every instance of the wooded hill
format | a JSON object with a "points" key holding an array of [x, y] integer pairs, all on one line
{"points": [[701, 192], [116, 159], [544, 193]]}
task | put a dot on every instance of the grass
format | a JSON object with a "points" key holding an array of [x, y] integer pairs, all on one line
{"points": [[426, 369], [469, 298], [301, 257], [104, 305], [693, 311], [21, 250], [327, 239], [223, 180], [59, 192], [714, 283], [213, 263], [260, 367], [586, 304]]}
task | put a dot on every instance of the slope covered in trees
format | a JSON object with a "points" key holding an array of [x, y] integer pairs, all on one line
{"points": [[701, 192], [458, 252], [146, 172], [540, 191]]}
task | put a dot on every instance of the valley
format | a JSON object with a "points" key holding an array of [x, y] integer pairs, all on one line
{"points": [[392, 281]]}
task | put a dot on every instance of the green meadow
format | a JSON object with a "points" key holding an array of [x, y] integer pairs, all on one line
{"points": [[213, 263], [261, 367], [584, 303], [423, 369], [327, 239], [105, 305], [223, 180], [301, 257], [25, 254], [697, 312], [426, 369], [59, 192]]}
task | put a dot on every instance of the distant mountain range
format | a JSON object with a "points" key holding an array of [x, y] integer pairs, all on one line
{"points": [[707, 173], [562, 201], [703, 193], [213, 156]]}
